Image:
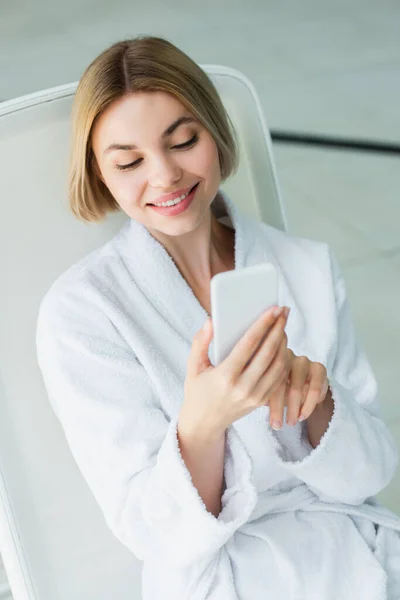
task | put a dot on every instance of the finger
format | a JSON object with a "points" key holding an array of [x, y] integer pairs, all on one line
{"points": [[268, 351], [277, 405], [245, 348], [316, 388], [271, 378], [278, 390], [325, 389], [298, 378], [274, 389]]}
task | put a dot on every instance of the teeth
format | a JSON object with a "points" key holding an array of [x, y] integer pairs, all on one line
{"points": [[173, 202]]}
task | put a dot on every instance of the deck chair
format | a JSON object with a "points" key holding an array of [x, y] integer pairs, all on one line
{"points": [[54, 541]]}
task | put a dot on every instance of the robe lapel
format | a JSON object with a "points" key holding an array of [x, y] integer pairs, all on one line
{"points": [[157, 274], [296, 325]]}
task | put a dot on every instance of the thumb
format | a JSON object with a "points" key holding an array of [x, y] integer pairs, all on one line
{"points": [[198, 359]]}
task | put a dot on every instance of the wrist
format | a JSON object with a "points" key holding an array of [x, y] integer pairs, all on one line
{"points": [[199, 434]]}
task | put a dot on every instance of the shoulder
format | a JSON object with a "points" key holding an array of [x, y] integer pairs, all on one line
{"points": [[294, 252], [78, 291]]}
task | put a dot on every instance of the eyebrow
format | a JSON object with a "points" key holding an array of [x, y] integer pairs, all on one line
{"points": [[169, 131]]}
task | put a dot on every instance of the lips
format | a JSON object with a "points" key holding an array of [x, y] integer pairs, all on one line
{"points": [[190, 190]]}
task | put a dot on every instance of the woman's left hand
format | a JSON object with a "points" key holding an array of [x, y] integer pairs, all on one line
{"points": [[306, 387]]}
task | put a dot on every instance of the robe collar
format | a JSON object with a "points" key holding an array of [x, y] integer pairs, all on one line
{"points": [[155, 272]]}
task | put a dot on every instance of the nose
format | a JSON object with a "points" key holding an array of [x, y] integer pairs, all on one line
{"points": [[164, 173]]}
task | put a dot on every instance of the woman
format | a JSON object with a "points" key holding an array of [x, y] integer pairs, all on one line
{"points": [[217, 500]]}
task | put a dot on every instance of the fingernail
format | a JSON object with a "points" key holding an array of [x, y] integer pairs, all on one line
{"points": [[277, 312], [276, 425], [286, 311], [301, 418], [291, 422]]}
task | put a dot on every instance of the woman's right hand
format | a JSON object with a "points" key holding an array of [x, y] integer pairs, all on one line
{"points": [[215, 397]]}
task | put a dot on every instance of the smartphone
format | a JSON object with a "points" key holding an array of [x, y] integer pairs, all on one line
{"points": [[238, 298]]}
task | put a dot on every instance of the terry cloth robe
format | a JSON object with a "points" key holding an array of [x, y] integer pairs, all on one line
{"points": [[114, 334]]}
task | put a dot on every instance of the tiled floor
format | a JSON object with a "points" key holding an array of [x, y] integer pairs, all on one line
{"points": [[319, 67]]}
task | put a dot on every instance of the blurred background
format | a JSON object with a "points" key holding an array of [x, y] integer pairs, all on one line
{"points": [[319, 67]]}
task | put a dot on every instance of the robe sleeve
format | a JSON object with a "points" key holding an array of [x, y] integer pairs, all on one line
{"points": [[357, 456], [125, 446]]}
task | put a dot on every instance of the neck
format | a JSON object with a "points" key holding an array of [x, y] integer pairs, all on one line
{"points": [[203, 252]]}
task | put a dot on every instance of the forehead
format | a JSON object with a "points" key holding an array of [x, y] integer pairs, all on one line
{"points": [[137, 118]]}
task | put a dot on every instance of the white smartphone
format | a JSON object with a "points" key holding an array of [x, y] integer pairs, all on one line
{"points": [[238, 298]]}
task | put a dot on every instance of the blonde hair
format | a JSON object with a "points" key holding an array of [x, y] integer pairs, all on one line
{"points": [[141, 64]]}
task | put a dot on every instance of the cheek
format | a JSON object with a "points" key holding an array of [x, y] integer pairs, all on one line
{"points": [[206, 159], [125, 188]]}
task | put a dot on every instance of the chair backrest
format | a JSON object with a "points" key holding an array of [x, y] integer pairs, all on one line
{"points": [[54, 541]]}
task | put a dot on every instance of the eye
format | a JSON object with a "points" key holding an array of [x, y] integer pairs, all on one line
{"points": [[130, 166], [190, 142], [134, 164]]}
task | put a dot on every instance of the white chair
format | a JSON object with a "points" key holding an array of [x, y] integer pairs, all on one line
{"points": [[54, 541]]}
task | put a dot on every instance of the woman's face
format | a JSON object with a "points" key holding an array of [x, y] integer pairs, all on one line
{"points": [[163, 154]]}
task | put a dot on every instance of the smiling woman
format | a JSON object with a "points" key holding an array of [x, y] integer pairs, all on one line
{"points": [[180, 455]]}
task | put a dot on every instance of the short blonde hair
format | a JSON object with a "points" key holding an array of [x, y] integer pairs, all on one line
{"points": [[141, 64]]}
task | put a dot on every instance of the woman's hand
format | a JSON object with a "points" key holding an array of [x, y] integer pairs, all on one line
{"points": [[306, 386], [215, 397]]}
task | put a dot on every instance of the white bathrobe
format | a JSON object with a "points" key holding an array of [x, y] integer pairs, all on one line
{"points": [[113, 339]]}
